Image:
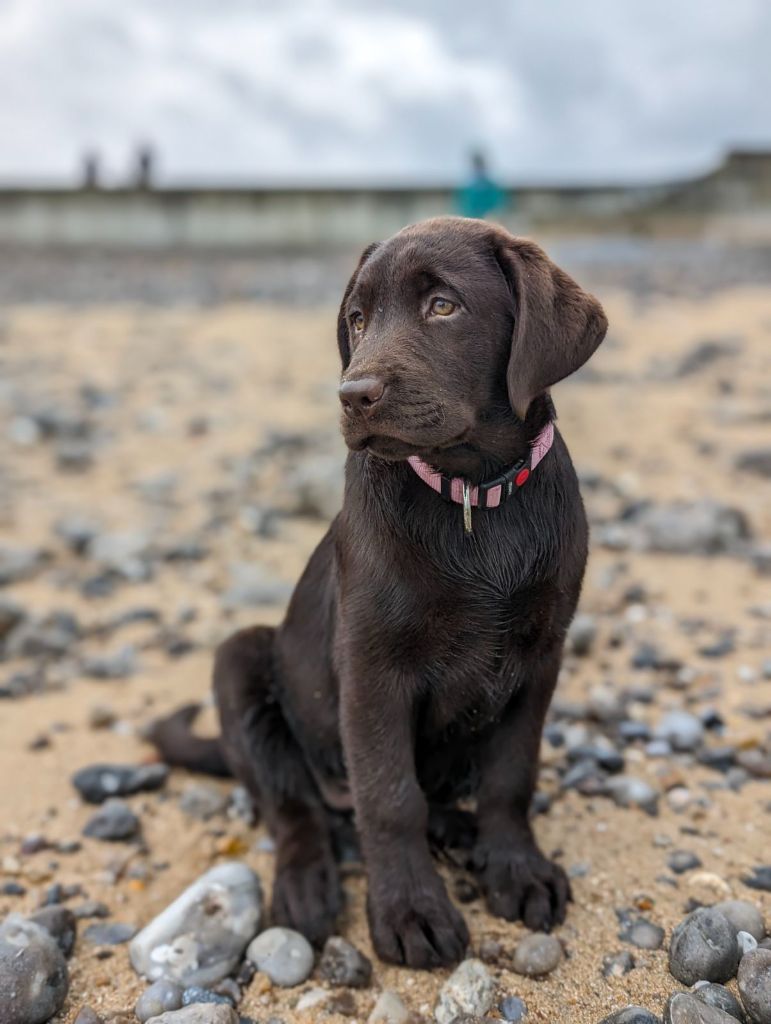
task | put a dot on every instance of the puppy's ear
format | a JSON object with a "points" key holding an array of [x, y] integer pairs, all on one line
{"points": [[557, 325], [343, 337]]}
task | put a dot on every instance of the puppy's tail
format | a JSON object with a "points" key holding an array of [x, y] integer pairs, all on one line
{"points": [[178, 745]]}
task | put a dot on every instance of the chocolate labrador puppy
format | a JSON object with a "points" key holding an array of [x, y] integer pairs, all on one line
{"points": [[422, 643]]}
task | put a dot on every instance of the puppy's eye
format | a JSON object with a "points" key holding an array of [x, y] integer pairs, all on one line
{"points": [[441, 307], [357, 319]]}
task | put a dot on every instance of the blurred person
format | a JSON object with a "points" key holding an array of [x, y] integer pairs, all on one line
{"points": [[481, 195]]}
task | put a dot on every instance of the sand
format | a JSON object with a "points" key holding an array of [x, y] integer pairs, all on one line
{"points": [[250, 370]]}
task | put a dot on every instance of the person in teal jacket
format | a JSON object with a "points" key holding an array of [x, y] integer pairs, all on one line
{"points": [[480, 196]]}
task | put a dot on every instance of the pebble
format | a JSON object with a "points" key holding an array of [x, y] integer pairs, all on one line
{"points": [[682, 730], [128, 554], [87, 1015], [114, 822], [746, 943], [283, 954], [33, 972], [760, 878], [314, 997], [252, 586], [98, 782], [200, 938], [687, 1008], [616, 965], [582, 635], [113, 934], [203, 801], [721, 998], [468, 991], [703, 948], [744, 916], [643, 933], [198, 1013], [118, 664], [513, 1008], [161, 996], [688, 528], [389, 1009], [17, 564], [61, 925], [755, 985], [681, 861], [631, 1015], [630, 791], [343, 964], [196, 994], [317, 486], [537, 955]]}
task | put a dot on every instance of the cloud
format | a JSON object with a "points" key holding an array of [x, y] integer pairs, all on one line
{"points": [[337, 90]]}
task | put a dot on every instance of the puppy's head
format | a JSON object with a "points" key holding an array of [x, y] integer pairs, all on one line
{"points": [[448, 331]]}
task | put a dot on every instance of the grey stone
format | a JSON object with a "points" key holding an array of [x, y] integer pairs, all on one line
{"points": [[317, 487], [203, 801], [119, 664], [643, 934], [113, 934], [17, 564], [77, 531], [537, 955], [682, 730], [53, 635], [61, 925], [470, 991], [11, 615], [200, 938], [389, 1009], [631, 1015], [127, 553], [630, 791], [33, 973], [760, 878], [87, 1015], [513, 1009], [198, 1013], [196, 994], [703, 948], [283, 954], [681, 861], [755, 985], [114, 822], [757, 461], [721, 998], [98, 782], [161, 996], [343, 964], [746, 943], [687, 1008], [582, 635], [616, 965], [254, 585], [744, 916], [702, 527]]}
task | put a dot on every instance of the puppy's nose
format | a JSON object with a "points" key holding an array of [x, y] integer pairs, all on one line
{"points": [[361, 395]]}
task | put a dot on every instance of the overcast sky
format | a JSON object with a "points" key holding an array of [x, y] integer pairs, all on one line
{"points": [[359, 90]]}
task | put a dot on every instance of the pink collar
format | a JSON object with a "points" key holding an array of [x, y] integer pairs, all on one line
{"points": [[492, 493]]}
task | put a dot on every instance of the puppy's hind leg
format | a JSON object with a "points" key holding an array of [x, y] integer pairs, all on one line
{"points": [[264, 755]]}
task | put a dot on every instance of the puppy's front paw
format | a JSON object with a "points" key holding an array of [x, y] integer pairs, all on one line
{"points": [[307, 897], [418, 927], [520, 883]]}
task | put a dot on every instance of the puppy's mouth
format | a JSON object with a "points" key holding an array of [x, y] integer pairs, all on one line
{"points": [[396, 449]]}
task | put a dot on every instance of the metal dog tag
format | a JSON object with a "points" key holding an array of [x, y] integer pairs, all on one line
{"points": [[467, 506]]}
